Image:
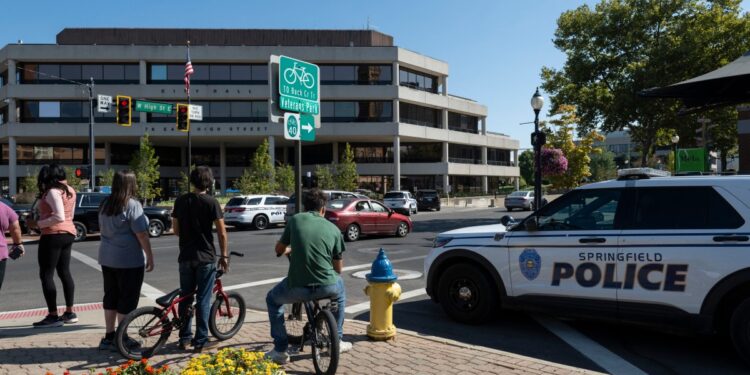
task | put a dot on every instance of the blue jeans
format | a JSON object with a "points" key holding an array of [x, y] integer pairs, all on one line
{"points": [[282, 294], [198, 277]]}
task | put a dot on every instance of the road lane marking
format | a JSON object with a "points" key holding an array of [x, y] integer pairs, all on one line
{"points": [[610, 362], [364, 306], [345, 269], [147, 290]]}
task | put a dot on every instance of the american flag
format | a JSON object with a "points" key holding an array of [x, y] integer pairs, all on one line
{"points": [[188, 72]]}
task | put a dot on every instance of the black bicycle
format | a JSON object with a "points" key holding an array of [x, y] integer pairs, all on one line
{"points": [[320, 332]]}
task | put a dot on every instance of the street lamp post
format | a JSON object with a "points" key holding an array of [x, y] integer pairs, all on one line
{"points": [[675, 140], [537, 101]]}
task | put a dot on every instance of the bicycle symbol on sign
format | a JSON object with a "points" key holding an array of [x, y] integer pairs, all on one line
{"points": [[291, 75]]}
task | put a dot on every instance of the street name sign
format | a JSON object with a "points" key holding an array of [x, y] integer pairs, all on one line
{"points": [[299, 86], [195, 112], [307, 126], [292, 126], [105, 103], [153, 107]]}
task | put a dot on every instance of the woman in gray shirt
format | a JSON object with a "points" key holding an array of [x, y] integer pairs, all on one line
{"points": [[124, 240]]}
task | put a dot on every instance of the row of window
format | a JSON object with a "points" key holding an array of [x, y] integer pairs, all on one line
{"points": [[67, 111], [465, 154], [463, 123], [58, 73], [418, 115], [359, 74], [356, 111], [224, 111], [248, 74], [63, 154], [417, 80]]}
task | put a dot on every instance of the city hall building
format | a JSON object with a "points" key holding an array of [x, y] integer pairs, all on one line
{"points": [[392, 105]]}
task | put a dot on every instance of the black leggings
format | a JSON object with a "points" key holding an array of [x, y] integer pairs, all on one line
{"points": [[54, 254]]}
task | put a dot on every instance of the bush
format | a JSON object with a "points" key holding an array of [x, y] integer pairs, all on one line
{"points": [[232, 361]]}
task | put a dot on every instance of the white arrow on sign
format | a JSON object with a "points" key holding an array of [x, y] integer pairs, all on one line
{"points": [[307, 127]]}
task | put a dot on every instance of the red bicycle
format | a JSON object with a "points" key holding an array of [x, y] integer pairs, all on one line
{"points": [[144, 330]]}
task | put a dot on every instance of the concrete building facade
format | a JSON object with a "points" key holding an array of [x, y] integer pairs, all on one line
{"points": [[390, 104]]}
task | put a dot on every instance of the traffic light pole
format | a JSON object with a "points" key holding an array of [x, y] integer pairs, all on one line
{"points": [[298, 178], [92, 173]]}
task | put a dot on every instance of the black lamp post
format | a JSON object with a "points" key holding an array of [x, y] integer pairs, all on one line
{"points": [[675, 140], [537, 140]]}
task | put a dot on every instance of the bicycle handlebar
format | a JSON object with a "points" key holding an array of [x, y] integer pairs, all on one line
{"points": [[236, 254]]}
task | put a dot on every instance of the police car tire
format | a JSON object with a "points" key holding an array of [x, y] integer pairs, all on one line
{"points": [[260, 222], [479, 283], [740, 329]]}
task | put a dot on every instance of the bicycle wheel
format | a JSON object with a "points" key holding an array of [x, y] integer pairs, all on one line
{"points": [[325, 343], [308, 80], [290, 76], [295, 323], [142, 332], [220, 323]]}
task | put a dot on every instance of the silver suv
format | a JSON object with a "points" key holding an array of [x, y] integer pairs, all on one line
{"points": [[401, 201]]}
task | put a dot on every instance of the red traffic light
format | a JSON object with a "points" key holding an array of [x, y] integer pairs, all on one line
{"points": [[123, 103], [79, 172], [183, 109]]}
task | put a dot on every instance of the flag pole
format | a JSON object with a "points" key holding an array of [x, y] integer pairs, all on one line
{"points": [[189, 138]]}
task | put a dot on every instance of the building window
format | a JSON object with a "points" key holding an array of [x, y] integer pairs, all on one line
{"points": [[207, 74], [368, 153], [359, 111], [121, 154], [205, 156], [417, 80], [464, 154], [463, 123], [68, 111], [169, 156], [418, 115], [317, 154], [421, 152], [79, 73], [414, 183], [221, 111], [62, 154], [3, 78], [239, 157], [465, 184], [497, 156], [360, 74]]}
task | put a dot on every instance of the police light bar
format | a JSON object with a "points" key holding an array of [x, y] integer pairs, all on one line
{"points": [[640, 173]]}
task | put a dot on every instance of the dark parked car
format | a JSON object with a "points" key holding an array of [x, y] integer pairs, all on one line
{"points": [[428, 200], [357, 217], [86, 218]]}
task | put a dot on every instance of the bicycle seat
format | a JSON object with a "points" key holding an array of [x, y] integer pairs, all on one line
{"points": [[167, 299]]}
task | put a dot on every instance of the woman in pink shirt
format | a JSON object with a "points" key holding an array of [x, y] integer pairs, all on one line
{"points": [[56, 207]]}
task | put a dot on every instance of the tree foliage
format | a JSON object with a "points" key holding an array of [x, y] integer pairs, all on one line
{"points": [[28, 183], [145, 165], [602, 166], [560, 132], [346, 171], [106, 176], [325, 177], [622, 47], [526, 166], [260, 177], [285, 179], [73, 180]]}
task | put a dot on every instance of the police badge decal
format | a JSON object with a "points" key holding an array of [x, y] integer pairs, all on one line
{"points": [[530, 262]]}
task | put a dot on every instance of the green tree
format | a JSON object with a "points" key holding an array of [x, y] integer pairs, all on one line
{"points": [[526, 166], [73, 181], [285, 178], [28, 183], [603, 166], [622, 47], [325, 177], [183, 184], [106, 176], [260, 177], [346, 171], [145, 165], [560, 136]]}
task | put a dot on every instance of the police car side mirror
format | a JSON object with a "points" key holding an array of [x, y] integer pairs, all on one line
{"points": [[507, 220], [531, 224]]}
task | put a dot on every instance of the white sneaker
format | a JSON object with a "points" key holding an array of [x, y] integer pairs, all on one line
{"points": [[278, 357], [345, 346]]}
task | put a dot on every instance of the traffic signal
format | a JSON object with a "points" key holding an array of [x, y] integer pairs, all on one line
{"points": [[540, 137], [183, 118], [124, 110], [83, 172]]}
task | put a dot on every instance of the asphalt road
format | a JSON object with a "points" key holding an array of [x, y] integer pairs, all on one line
{"points": [[650, 350]]}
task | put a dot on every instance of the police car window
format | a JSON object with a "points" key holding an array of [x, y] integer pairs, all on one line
{"points": [[695, 207], [581, 210], [236, 201], [253, 201], [275, 201], [377, 207]]}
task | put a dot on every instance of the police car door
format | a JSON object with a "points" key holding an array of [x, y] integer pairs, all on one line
{"points": [[680, 242], [570, 253]]}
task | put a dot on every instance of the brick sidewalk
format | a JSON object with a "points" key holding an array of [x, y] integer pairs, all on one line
{"points": [[25, 350]]}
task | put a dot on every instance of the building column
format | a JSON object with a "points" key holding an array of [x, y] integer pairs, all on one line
{"points": [[485, 186], [12, 111], [484, 154], [446, 183], [223, 167], [484, 125], [445, 158], [396, 111], [515, 158], [396, 162], [272, 149], [395, 73], [107, 155], [445, 119], [335, 147], [518, 183], [445, 85], [12, 72], [12, 165]]}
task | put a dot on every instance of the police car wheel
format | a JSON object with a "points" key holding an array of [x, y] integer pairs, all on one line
{"points": [[260, 222], [740, 329], [467, 294]]}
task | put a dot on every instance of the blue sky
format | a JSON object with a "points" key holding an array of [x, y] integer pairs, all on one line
{"points": [[495, 48]]}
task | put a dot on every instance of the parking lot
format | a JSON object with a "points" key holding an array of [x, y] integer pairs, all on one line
{"points": [[586, 344]]}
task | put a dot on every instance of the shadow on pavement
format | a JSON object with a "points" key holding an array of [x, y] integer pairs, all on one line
{"points": [[512, 332], [11, 332]]}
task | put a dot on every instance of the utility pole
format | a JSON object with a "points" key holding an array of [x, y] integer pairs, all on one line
{"points": [[92, 172]]}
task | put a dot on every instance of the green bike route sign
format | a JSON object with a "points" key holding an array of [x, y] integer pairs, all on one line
{"points": [[154, 107], [299, 86]]}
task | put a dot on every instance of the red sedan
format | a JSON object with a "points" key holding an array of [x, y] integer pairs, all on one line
{"points": [[356, 217]]}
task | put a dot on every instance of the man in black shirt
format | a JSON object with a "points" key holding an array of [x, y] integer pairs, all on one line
{"points": [[193, 217]]}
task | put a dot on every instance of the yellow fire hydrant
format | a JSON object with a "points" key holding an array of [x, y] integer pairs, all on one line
{"points": [[383, 292]]}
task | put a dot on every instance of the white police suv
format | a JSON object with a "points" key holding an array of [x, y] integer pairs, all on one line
{"points": [[258, 211], [665, 251]]}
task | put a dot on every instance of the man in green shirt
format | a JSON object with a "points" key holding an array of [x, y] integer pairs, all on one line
{"points": [[315, 264]]}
